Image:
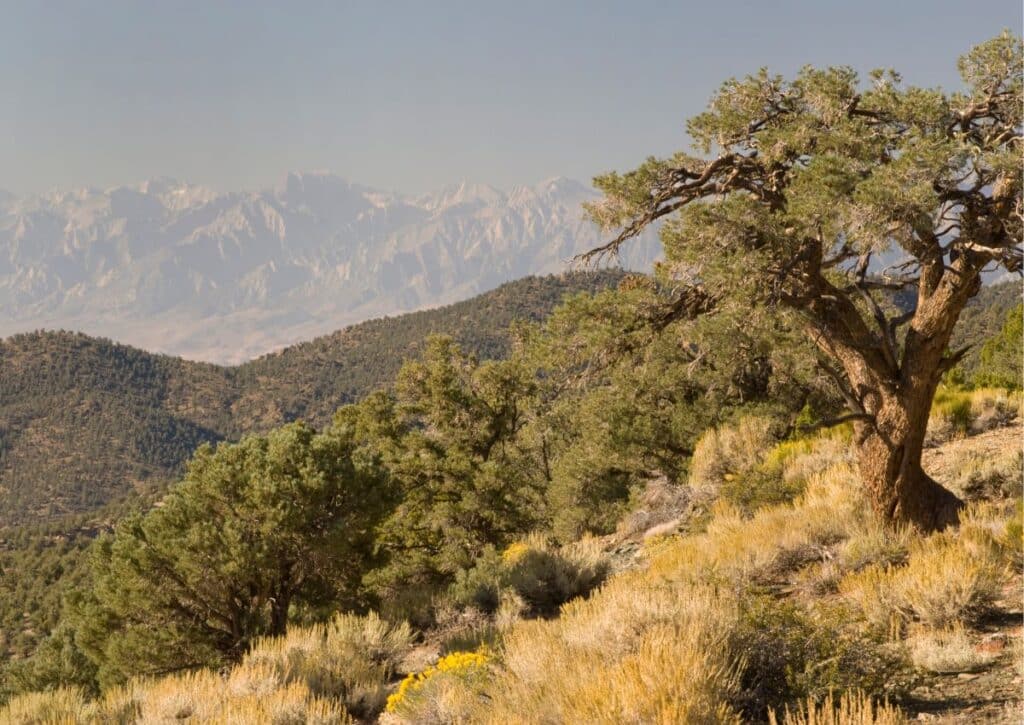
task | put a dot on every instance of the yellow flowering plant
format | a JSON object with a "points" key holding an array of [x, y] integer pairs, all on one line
{"points": [[461, 665]]}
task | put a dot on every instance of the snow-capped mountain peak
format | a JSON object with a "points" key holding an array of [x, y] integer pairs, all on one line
{"points": [[178, 268]]}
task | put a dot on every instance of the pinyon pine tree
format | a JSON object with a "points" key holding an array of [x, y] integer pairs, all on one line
{"points": [[255, 528], [815, 197]]}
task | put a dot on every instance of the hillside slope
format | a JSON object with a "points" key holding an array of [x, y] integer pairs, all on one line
{"points": [[799, 607], [84, 421], [982, 319]]}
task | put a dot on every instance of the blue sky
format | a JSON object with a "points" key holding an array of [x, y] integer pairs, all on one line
{"points": [[414, 95]]}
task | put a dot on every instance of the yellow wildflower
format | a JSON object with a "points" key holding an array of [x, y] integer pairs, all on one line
{"points": [[457, 664], [515, 552]]}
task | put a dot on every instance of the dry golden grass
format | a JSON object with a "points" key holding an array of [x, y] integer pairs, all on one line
{"points": [[949, 578], [851, 709], [1012, 538], [729, 450], [321, 674], [946, 651], [800, 460], [64, 706], [673, 677], [653, 645], [117, 706], [351, 659], [194, 697], [989, 476], [994, 407], [775, 539], [660, 643], [951, 415], [662, 661], [246, 696], [955, 412], [871, 542], [872, 593], [589, 563]]}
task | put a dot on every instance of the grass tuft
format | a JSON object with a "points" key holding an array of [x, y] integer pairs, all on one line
{"points": [[946, 651], [852, 708]]}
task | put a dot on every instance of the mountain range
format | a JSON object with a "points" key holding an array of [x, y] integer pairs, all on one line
{"points": [[223, 277]]}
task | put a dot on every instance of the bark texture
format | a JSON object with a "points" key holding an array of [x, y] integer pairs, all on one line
{"points": [[893, 392], [889, 456]]}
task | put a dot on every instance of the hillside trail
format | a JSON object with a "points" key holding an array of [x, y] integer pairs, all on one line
{"points": [[995, 694]]}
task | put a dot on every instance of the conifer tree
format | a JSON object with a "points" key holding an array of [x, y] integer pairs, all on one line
{"points": [[254, 529], [814, 196]]}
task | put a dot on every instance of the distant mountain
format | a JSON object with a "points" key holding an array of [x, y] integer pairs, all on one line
{"points": [[85, 421], [224, 277]]}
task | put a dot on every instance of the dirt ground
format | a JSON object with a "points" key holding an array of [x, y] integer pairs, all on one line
{"points": [[996, 694]]}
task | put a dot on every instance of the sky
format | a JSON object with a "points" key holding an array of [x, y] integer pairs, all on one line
{"points": [[411, 96]]}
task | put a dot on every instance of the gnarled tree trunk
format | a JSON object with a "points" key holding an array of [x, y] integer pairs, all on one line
{"points": [[889, 456], [892, 392]]}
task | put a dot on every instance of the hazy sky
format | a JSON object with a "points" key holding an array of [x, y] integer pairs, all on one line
{"points": [[411, 96]]}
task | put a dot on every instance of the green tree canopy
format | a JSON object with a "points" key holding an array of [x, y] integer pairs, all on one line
{"points": [[449, 440], [1001, 355], [625, 390], [254, 529]]}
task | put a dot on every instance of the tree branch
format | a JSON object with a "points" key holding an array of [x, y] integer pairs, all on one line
{"points": [[952, 360], [730, 172], [888, 342], [830, 423]]}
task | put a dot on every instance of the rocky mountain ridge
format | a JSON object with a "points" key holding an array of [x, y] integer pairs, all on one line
{"points": [[224, 277]]}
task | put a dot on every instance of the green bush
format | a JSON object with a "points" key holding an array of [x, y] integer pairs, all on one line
{"points": [[760, 487], [790, 653], [543, 576], [480, 586], [952, 409], [57, 662]]}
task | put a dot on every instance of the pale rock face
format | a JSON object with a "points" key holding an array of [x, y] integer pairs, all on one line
{"points": [[177, 268]]}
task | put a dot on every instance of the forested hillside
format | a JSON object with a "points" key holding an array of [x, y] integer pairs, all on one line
{"points": [[85, 421], [310, 380], [982, 320]]}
